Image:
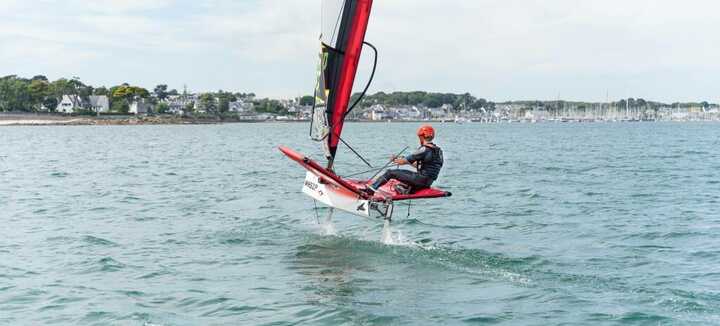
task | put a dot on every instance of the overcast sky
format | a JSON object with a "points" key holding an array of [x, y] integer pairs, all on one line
{"points": [[497, 49]]}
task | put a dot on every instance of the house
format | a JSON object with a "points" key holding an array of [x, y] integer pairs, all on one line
{"points": [[99, 103], [178, 104], [69, 104], [436, 113], [447, 108], [407, 113], [241, 106], [377, 112], [140, 106]]}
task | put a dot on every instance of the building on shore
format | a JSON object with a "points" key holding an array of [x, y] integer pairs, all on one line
{"points": [[179, 104], [69, 104], [99, 103], [140, 106], [241, 106]]}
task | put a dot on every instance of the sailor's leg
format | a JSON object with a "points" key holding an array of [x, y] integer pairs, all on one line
{"points": [[383, 179], [410, 178]]}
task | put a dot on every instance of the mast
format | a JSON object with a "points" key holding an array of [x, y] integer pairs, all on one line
{"points": [[343, 33]]}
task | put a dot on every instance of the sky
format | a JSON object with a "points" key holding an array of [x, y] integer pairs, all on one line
{"points": [[496, 49]]}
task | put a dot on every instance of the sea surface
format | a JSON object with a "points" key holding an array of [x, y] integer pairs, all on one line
{"points": [[549, 224]]}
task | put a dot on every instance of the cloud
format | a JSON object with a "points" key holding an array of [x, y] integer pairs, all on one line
{"points": [[498, 49]]}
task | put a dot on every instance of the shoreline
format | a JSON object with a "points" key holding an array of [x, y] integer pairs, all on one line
{"points": [[7, 120]]}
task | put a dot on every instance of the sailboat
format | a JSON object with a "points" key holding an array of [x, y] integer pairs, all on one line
{"points": [[344, 23]]}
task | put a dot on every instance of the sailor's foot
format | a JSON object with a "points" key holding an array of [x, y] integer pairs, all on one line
{"points": [[368, 191]]}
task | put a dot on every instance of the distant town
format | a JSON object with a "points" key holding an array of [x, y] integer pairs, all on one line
{"points": [[71, 97]]}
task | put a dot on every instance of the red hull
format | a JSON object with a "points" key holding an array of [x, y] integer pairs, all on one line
{"points": [[353, 186]]}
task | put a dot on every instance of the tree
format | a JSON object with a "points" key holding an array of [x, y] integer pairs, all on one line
{"points": [[39, 90], [162, 108], [269, 106], [129, 93], [50, 103], [102, 90], [307, 100], [15, 94], [189, 108], [161, 92], [41, 78], [61, 87], [120, 105], [224, 99], [80, 88], [207, 102]]}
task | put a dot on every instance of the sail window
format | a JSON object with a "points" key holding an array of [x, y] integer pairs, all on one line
{"points": [[332, 12]]}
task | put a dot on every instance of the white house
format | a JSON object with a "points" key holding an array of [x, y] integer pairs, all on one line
{"points": [[377, 112], [139, 106], [178, 104], [241, 106], [436, 113], [408, 112], [99, 103], [69, 104]]}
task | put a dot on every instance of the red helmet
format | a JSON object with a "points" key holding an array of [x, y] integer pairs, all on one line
{"points": [[426, 131]]}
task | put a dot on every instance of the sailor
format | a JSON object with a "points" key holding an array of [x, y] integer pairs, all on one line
{"points": [[428, 160]]}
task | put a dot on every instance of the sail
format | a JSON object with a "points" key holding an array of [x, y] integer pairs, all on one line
{"points": [[344, 23]]}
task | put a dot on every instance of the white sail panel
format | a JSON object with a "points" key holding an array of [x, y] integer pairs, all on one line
{"points": [[332, 11]]}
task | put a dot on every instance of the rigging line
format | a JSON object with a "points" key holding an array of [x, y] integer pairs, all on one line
{"points": [[359, 173], [389, 163], [338, 20], [367, 86], [356, 153]]}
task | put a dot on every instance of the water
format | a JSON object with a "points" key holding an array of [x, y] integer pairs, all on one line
{"points": [[205, 225]]}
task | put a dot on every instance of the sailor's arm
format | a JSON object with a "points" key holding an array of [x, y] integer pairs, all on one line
{"points": [[400, 161], [413, 158]]}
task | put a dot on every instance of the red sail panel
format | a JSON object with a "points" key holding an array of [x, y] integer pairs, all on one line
{"points": [[348, 69]]}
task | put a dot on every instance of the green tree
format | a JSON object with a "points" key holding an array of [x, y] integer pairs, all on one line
{"points": [[80, 88], [161, 92], [269, 106], [120, 105], [15, 94], [307, 100], [39, 91], [102, 90], [207, 102], [189, 108], [61, 87], [129, 93], [162, 108], [223, 100], [41, 78]]}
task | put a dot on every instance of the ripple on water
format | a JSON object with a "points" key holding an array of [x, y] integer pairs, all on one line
{"points": [[97, 241], [550, 224]]}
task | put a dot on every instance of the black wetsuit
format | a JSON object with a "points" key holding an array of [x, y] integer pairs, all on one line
{"points": [[429, 159]]}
